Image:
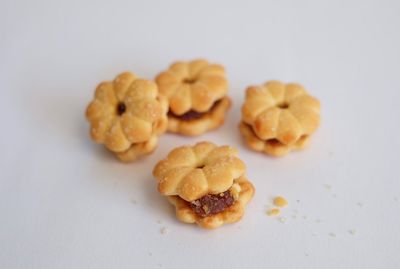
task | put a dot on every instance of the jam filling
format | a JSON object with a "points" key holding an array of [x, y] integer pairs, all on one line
{"points": [[192, 114], [211, 204], [121, 108]]}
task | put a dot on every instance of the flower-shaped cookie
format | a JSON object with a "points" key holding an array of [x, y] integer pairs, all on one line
{"points": [[196, 92], [277, 117], [127, 115], [206, 183]]}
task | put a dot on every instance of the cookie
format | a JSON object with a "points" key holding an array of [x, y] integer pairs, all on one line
{"points": [[196, 92], [127, 115], [278, 118], [206, 184]]}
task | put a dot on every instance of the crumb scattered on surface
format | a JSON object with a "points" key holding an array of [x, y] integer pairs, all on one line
{"points": [[332, 235], [298, 201], [163, 230], [133, 201], [305, 217], [281, 219], [327, 186], [318, 221], [294, 216], [352, 231], [150, 254], [314, 234], [360, 204], [280, 201], [159, 221], [273, 212], [306, 254], [396, 199], [334, 195]]}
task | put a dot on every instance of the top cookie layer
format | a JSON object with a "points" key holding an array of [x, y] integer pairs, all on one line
{"points": [[192, 172], [193, 85], [281, 111], [125, 111]]}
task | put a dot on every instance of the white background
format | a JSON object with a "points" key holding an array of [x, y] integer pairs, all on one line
{"points": [[66, 203]]}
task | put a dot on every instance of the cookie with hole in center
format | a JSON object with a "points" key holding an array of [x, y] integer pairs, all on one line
{"points": [[206, 184], [196, 92], [127, 115], [278, 118]]}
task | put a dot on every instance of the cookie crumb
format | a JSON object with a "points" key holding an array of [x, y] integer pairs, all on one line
{"points": [[327, 186], [294, 216], [298, 201], [133, 201], [360, 204], [163, 230], [332, 235], [306, 254], [280, 201], [352, 231], [273, 212], [159, 221], [305, 217], [318, 221]]}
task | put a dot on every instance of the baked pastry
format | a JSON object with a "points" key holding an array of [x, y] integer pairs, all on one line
{"points": [[278, 118], [127, 115], [196, 92], [206, 184]]}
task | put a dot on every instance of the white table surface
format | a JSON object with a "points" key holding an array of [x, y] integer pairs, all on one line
{"points": [[66, 203]]}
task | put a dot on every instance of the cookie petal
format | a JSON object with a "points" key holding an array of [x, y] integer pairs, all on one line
{"points": [[289, 129], [217, 85], [212, 70], [293, 91], [266, 123], [115, 139], [99, 128], [181, 101], [196, 66], [276, 89], [202, 100], [180, 70], [135, 129], [122, 83], [105, 93], [167, 83]]}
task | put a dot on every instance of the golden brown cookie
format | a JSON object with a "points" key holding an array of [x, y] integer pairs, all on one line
{"points": [[196, 92], [206, 184], [127, 115], [277, 117]]}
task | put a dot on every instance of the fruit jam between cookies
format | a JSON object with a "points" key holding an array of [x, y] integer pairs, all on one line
{"points": [[212, 204]]}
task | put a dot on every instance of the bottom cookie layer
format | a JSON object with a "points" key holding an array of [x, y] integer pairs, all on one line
{"points": [[137, 150], [271, 146], [234, 213]]}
